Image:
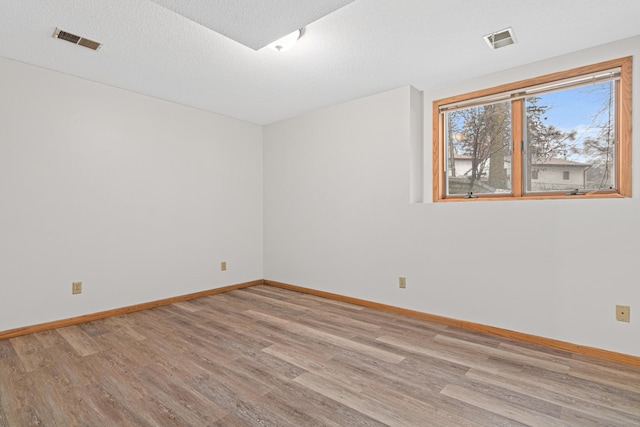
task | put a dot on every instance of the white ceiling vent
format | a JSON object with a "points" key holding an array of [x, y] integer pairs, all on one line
{"points": [[72, 38], [500, 38]]}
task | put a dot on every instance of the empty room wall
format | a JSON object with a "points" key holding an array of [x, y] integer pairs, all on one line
{"points": [[140, 199], [338, 218]]}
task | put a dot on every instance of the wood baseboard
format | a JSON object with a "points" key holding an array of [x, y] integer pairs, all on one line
{"points": [[118, 311], [548, 342]]}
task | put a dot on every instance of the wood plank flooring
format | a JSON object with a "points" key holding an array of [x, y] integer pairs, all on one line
{"points": [[265, 356]]}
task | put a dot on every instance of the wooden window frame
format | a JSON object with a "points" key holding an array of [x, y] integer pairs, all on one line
{"points": [[623, 135]]}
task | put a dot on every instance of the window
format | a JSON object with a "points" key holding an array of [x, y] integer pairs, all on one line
{"points": [[539, 138]]}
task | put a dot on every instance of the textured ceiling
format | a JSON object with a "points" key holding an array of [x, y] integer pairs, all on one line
{"points": [[254, 23], [363, 48]]}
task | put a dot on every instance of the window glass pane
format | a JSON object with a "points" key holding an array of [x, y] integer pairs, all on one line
{"points": [[570, 139], [478, 150]]}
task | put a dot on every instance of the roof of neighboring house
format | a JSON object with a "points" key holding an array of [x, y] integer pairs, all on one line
{"points": [[558, 162], [538, 162]]}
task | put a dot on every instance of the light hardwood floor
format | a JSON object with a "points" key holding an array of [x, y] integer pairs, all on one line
{"points": [[264, 356]]}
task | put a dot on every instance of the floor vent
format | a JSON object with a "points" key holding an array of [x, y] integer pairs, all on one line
{"points": [[72, 38], [500, 38]]}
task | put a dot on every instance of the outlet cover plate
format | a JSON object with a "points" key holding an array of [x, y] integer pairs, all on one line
{"points": [[76, 288], [622, 313]]}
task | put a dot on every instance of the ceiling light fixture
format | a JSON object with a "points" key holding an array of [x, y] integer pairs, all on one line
{"points": [[286, 42]]}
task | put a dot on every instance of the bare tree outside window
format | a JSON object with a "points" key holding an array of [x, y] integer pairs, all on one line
{"points": [[570, 139], [479, 149], [568, 143]]}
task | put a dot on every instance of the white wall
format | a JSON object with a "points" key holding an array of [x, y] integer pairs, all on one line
{"points": [[138, 198], [337, 218]]}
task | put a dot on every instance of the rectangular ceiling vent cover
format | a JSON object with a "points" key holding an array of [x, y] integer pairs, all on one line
{"points": [[72, 38], [500, 38]]}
